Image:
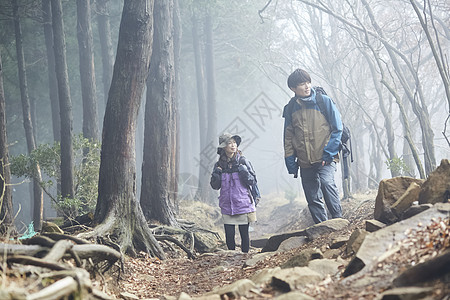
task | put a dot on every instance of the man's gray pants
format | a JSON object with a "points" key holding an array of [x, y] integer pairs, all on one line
{"points": [[318, 181]]}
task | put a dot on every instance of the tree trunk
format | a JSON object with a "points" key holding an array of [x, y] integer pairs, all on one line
{"points": [[158, 191], [211, 135], [386, 114], [87, 71], [38, 197], [52, 83], [419, 109], [204, 171], [6, 207], [177, 69], [438, 56], [117, 212], [65, 104], [104, 35]]}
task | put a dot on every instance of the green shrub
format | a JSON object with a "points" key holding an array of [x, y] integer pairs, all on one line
{"points": [[398, 166], [86, 171]]}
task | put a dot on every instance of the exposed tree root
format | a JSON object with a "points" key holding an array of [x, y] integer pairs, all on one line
{"points": [[130, 234], [69, 281]]}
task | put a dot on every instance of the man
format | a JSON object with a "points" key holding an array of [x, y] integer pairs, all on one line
{"points": [[312, 143]]}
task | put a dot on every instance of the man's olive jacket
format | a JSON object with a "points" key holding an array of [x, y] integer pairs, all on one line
{"points": [[308, 137]]}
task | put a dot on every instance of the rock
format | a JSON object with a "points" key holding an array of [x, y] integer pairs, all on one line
{"points": [[128, 296], [184, 296], [374, 225], [443, 207], [407, 293], [389, 191], [292, 243], [274, 241], [257, 258], [354, 266], [205, 241], [302, 259], [237, 289], [380, 243], [437, 187], [332, 253], [325, 266], [326, 227], [296, 295], [433, 268], [338, 242], [294, 278], [264, 276], [259, 242], [355, 241], [207, 297], [311, 232], [415, 209], [405, 201]]}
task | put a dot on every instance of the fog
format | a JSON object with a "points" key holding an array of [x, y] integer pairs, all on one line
{"points": [[391, 88]]}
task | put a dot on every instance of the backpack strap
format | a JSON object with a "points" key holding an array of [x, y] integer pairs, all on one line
{"points": [[288, 108], [243, 161], [321, 105]]}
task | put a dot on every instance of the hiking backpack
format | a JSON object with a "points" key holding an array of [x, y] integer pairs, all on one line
{"points": [[254, 190], [346, 143]]}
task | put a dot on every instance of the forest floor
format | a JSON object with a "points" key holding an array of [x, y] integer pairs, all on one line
{"points": [[147, 277]]}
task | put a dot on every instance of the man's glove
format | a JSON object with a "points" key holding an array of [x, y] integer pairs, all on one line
{"points": [[291, 165]]}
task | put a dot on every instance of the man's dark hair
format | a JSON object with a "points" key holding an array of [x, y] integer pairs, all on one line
{"points": [[297, 77]]}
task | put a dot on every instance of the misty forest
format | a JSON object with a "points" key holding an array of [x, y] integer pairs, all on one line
{"points": [[111, 112]]}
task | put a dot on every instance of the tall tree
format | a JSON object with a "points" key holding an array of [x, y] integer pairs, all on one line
{"points": [[118, 213], [52, 82], [38, 196], [65, 103], [211, 134], [203, 186], [87, 71], [104, 35], [177, 32], [159, 186], [6, 207]]}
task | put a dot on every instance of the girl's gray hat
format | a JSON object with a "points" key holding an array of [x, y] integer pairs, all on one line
{"points": [[225, 137]]}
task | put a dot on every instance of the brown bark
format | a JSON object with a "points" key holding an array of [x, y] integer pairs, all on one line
{"points": [[38, 196], [87, 71], [6, 207], [65, 104], [158, 192], [117, 212]]}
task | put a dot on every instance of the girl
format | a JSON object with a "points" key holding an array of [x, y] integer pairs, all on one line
{"points": [[233, 174]]}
